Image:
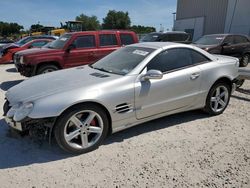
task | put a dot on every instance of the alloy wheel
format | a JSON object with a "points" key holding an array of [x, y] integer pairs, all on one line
{"points": [[83, 129], [219, 99]]}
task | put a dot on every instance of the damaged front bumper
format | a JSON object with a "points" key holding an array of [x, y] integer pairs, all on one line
{"points": [[15, 125], [39, 128]]}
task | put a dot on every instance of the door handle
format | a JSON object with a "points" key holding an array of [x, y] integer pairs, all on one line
{"points": [[194, 76]]}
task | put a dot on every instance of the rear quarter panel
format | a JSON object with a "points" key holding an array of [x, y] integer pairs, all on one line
{"points": [[221, 67]]}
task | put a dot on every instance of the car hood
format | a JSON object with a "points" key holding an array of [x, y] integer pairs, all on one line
{"points": [[202, 46], [57, 82], [36, 51]]}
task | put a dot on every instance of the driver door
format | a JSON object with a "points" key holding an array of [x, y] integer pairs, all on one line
{"points": [[83, 53], [178, 88]]}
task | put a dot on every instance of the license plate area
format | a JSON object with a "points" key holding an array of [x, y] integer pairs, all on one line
{"points": [[15, 125]]}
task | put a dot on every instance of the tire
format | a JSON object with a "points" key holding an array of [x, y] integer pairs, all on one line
{"points": [[239, 83], [81, 129], [245, 60], [217, 100], [47, 68]]}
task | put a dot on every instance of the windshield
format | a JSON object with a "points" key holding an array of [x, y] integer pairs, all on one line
{"points": [[47, 45], [23, 41], [210, 40], [122, 61], [60, 43], [151, 37]]}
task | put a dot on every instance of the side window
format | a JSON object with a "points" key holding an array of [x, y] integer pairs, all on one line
{"points": [[229, 40], [87, 41], [171, 59], [108, 40], [163, 38], [198, 58], [126, 39], [175, 37], [183, 37], [172, 37], [38, 44], [240, 39]]}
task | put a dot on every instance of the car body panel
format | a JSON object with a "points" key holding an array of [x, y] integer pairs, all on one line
{"points": [[8, 57], [65, 58], [174, 91], [228, 46], [129, 99]]}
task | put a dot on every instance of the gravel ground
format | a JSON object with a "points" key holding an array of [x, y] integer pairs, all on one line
{"points": [[184, 150]]}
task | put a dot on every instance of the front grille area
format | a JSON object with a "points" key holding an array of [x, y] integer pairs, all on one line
{"points": [[16, 58]]}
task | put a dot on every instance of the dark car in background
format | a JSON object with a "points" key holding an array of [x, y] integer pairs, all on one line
{"points": [[227, 44], [175, 36]]}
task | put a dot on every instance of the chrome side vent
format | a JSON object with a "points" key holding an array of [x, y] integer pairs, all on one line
{"points": [[123, 108], [99, 75]]}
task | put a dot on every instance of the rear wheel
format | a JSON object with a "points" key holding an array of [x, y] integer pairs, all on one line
{"points": [[81, 129], [245, 60], [218, 99], [46, 69]]}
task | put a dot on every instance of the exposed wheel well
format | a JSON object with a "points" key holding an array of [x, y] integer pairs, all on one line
{"points": [[224, 80], [48, 63], [96, 104]]}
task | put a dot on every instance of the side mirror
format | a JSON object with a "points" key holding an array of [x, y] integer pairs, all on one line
{"points": [[70, 47], [152, 74]]}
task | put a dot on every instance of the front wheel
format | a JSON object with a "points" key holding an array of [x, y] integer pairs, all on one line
{"points": [[239, 83], [217, 99], [46, 69], [81, 129], [245, 60]]}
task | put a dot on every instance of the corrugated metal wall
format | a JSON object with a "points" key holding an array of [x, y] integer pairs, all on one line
{"points": [[214, 12]]}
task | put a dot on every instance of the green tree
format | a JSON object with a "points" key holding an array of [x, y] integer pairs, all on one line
{"points": [[36, 27], [142, 29], [8, 29], [116, 20], [88, 22]]}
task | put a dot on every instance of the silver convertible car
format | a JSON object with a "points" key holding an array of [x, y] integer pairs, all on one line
{"points": [[141, 82]]}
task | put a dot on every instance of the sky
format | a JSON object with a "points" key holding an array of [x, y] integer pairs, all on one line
{"points": [[52, 12]]}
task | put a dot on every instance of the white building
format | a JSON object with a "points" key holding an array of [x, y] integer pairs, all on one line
{"points": [[202, 17]]}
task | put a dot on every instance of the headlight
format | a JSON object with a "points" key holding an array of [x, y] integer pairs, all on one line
{"points": [[12, 111], [21, 60], [19, 112], [23, 111]]}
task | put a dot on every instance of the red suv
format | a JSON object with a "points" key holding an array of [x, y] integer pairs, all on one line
{"points": [[72, 49]]}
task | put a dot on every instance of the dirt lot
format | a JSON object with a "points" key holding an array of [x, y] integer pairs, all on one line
{"points": [[185, 150]]}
